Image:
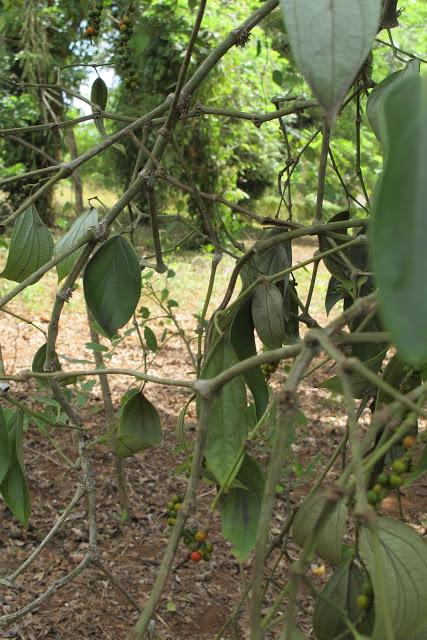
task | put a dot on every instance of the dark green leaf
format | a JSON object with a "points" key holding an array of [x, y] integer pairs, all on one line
{"points": [[74, 234], [399, 228], [277, 77], [228, 417], [243, 341], [403, 557], [30, 248], [150, 338], [99, 95], [112, 284], [139, 427], [14, 488], [5, 448], [39, 360], [240, 509], [334, 294], [381, 90], [330, 40], [341, 592], [290, 314], [267, 314], [329, 541]]}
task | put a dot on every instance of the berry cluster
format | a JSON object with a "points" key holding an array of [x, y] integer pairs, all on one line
{"points": [[94, 19], [268, 369], [124, 57], [195, 539], [365, 598], [393, 480]]}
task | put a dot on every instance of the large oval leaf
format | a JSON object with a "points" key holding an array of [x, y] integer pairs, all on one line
{"points": [[30, 248], [330, 40], [240, 509], [341, 590], [404, 566], [14, 488], [229, 416], [378, 93], [74, 234], [243, 340], [399, 227], [5, 448], [329, 541], [139, 427], [112, 284]]}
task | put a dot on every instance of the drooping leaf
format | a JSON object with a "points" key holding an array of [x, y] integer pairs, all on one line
{"points": [[112, 284], [399, 226], [403, 557], [39, 360], [5, 448], [14, 488], [334, 294], [30, 248], [99, 95], [77, 230], [228, 418], [150, 338], [290, 315], [240, 509], [381, 90], [139, 427], [276, 258], [420, 468], [330, 40], [267, 314], [329, 541], [341, 590], [243, 341]]}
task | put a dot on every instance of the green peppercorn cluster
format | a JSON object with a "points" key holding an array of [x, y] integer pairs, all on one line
{"points": [[94, 19], [195, 539], [124, 54], [365, 598], [392, 479]]}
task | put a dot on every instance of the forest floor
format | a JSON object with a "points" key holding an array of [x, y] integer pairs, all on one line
{"points": [[198, 597]]}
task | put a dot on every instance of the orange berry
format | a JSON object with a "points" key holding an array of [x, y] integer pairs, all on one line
{"points": [[409, 441], [196, 556], [201, 536], [90, 31]]}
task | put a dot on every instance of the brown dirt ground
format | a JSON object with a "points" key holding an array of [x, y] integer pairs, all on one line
{"points": [[203, 594]]}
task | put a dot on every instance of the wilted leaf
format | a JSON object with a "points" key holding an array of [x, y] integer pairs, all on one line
{"points": [[14, 488], [30, 248], [329, 541], [240, 509], [139, 427], [112, 284], [334, 294], [228, 417], [77, 230], [330, 40], [404, 567], [399, 226]]}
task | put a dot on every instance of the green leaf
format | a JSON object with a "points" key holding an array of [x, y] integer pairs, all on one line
{"points": [[39, 360], [139, 427], [228, 417], [150, 338], [403, 557], [420, 469], [77, 230], [267, 314], [297, 634], [112, 284], [383, 89], [277, 77], [341, 590], [99, 95], [5, 448], [330, 40], [240, 509], [243, 341], [329, 541], [30, 248], [334, 294], [399, 226], [14, 488]]}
